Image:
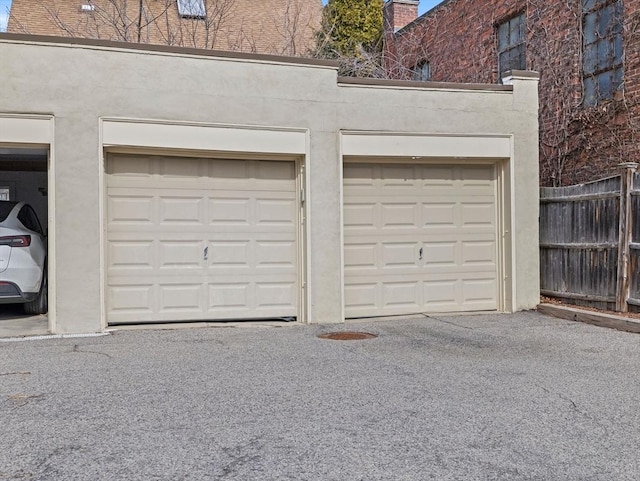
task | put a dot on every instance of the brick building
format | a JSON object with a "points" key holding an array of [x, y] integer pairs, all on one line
{"points": [[587, 53], [282, 27]]}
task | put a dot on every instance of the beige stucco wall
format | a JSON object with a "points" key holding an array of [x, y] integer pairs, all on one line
{"points": [[80, 85]]}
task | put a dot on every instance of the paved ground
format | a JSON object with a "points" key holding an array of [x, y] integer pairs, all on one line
{"points": [[14, 322], [495, 397]]}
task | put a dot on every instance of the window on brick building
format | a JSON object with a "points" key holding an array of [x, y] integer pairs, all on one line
{"points": [[602, 49], [422, 71], [511, 45], [191, 8]]}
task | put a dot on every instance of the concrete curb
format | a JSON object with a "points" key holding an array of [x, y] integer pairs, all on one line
{"points": [[590, 317]]}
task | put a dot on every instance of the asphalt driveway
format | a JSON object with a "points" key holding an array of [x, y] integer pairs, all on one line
{"points": [[488, 397]]}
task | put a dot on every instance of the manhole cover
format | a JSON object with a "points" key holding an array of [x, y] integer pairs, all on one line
{"points": [[347, 336]]}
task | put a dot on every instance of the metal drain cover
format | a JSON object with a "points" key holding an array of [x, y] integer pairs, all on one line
{"points": [[347, 336]]}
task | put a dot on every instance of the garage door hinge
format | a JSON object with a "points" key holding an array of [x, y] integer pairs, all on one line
{"points": [[302, 196]]}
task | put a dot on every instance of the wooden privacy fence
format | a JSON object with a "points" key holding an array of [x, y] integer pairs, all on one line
{"points": [[590, 242]]}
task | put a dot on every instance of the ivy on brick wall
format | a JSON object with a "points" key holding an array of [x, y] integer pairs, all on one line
{"points": [[579, 140]]}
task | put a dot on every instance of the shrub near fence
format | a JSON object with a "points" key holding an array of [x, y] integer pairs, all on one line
{"points": [[590, 242]]}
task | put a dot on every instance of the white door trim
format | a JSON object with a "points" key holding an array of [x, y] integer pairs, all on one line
{"points": [[425, 146], [202, 137], [410, 147], [33, 130]]}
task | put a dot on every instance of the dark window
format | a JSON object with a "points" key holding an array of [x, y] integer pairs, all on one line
{"points": [[511, 45], [191, 8], [422, 71], [5, 209], [29, 219], [602, 49]]}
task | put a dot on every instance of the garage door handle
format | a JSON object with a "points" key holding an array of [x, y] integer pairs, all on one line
{"points": [[206, 253], [420, 258]]}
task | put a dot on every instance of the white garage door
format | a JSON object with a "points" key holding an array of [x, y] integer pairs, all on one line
{"points": [[419, 238], [197, 239]]}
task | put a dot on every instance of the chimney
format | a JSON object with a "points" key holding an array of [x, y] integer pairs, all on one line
{"points": [[398, 13]]}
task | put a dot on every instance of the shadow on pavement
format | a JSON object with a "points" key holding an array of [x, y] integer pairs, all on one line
{"points": [[15, 323]]}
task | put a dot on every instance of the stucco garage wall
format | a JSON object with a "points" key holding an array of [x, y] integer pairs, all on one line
{"points": [[466, 113], [81, 84]]}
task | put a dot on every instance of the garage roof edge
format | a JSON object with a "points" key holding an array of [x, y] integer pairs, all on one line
{"points": [[423, 85], [70, 41]]}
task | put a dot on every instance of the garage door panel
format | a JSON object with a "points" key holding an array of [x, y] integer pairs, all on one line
{"points": [[437, 177], [181, 209], [477, 213], [400, 215], [239, 300], [360, 256], [441, 293], [479, 290], [445, 295], [181, 298], [399, 177], [226, 211], [439, 214], [229, 169], [361, 297], [170, 170], [404, 295], [359, 216], [262, 187], [478, 253], [275, 294], [230, 254], [477, 176], [278, 254], [457, 235], [229, 296], [127, 299], [203, 247], [440, 254], [180, 254], [275, 211], [128, 254], [130, 166], [275, 171], [399, 255], [130, 209], [419, 238], [359, 175]]}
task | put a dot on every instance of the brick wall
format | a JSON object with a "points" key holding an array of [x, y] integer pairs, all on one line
{"points": [[269, 26], [577, 143], [399, 13]]}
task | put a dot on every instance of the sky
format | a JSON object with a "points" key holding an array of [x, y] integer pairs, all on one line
{"points": [[4, 14], [5, 4]]}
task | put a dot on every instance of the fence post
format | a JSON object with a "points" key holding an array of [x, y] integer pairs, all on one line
{"points": [[624, 236]]}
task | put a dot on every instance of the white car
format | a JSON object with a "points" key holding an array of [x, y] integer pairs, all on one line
{"points": [[23, 258]]}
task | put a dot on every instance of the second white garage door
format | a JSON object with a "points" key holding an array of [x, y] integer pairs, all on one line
{"points": [[419, 238], [198, 239]]}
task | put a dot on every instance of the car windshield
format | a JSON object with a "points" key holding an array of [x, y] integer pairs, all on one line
{"points": [[5, 208]]}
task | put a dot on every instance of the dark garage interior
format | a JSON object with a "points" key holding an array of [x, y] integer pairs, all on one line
{"points": [[24, 178]]}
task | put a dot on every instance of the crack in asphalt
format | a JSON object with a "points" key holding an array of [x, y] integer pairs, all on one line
{"points": [[238, 458], [448, 322], [20, 400], [76, 348], [575, 408]]}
